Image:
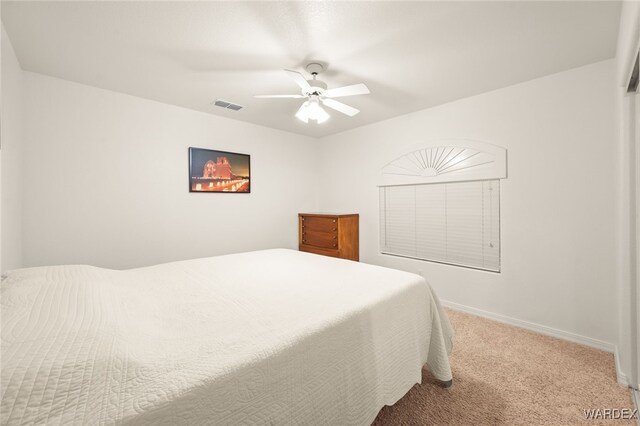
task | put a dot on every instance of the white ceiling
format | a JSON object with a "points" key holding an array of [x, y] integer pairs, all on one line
{"points": [[412, 55]]}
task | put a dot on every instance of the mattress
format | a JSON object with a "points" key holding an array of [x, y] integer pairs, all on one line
{"points": [[267, 337]]}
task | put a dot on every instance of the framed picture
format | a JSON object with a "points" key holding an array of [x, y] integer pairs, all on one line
{"points": [[219, 171]]}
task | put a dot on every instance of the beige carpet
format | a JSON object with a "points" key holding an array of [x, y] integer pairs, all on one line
{"points": [[504, 375]]}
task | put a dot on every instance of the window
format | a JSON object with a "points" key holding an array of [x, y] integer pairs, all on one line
{"points": [[456, 223]]}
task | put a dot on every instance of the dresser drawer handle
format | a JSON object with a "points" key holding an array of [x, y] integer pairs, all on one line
{"points": [[334, 245], [334, 237], [303, 241], [334, 229], [334, 221]]}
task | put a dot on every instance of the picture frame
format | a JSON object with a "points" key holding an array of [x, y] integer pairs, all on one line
{"points": [[215, 171]]}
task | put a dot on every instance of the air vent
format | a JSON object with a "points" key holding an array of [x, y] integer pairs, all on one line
{"points": [[228, 105]]}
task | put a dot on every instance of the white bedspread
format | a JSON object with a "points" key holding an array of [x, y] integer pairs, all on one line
{"points": [[266, 337]]}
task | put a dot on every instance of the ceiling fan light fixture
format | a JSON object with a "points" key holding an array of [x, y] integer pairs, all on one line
{"points": [[303, 112], [315, 111], [313, 107], [322, 115]]}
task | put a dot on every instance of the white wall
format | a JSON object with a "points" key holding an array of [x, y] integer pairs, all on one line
{"points": [[628, 43], [106, 180], [558, 206], [11, 159]]}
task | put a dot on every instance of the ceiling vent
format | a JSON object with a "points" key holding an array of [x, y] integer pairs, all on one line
{"points": [[228, 105]]}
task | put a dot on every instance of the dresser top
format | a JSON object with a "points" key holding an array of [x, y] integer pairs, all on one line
{"points": [[328, 214]]}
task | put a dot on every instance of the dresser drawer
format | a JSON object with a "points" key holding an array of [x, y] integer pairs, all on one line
{"points": [[320, 239], [322, 224]]}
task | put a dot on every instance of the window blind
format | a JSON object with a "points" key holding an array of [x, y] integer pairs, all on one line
{"points": [[456, 223]]}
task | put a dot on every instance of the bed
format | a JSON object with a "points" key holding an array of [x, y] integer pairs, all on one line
{"points": [[267, 337]]}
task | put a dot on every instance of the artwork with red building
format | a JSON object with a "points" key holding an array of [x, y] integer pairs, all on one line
{"points": [[218, 171]]}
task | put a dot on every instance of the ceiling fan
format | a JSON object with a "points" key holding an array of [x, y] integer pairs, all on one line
{"points": [[317, 94]]}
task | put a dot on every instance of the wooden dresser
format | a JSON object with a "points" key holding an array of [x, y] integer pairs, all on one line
{"points": [[329, 234]]}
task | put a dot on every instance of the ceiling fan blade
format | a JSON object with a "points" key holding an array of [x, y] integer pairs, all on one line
{"points": [[280, 96], [299, 79], [340, 107], [354, 89]]}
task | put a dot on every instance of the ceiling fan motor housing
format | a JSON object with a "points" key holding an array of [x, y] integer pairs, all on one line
{"points": [[317, 87]]}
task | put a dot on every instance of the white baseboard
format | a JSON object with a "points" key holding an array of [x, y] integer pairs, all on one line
{"points": [[543, 329]]}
